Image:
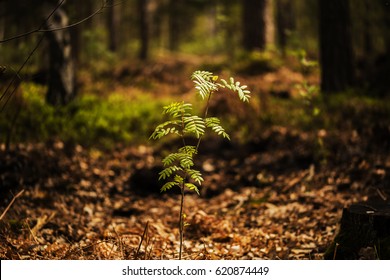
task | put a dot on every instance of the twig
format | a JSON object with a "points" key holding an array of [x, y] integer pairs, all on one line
{"points": [[41, 222], [31, 232], [335, 250], [181, 225], [10, 204], [142, 239]]}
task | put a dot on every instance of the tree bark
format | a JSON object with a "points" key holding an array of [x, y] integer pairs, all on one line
{"points": [[143, 29], [113, 21], [253, 16], [336, 53], [284, 22], [269, 20], [174, 24], [62, 76], [2, 19], [229, 28]]}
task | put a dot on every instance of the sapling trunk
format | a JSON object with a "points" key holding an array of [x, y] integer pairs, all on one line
{"points": [[181, 225]]}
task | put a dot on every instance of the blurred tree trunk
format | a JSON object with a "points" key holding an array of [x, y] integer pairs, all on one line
{"points": [[143, 29], [229, 28], [80, 12], [377, 41], [75, 37], [113, 21], [61, 73], [269, 19], [386, 22], [174, 24], [285, 22], [368, 47], [253, 16], [336, 53], [2, 19]]}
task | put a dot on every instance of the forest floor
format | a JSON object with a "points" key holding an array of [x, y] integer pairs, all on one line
{"points": [[276, 197]]}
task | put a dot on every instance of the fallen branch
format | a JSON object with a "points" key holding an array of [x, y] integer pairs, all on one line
{"points": [[10, 204]]}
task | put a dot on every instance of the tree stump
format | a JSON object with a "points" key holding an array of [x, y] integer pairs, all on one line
{"points": [[364, 233]]}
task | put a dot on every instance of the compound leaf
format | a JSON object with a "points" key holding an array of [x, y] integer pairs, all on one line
{"points": [[192, 187], [168, 185]]}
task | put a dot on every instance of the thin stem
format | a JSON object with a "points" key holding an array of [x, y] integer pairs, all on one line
{"points": [[181, 225], [182, 132], [204, 117], [181, 222]]}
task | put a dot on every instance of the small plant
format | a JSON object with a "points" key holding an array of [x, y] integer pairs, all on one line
{"points": [[179, 166]]}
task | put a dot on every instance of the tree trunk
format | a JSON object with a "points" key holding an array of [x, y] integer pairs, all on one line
{"points": [[113, 21], [229, 28], [2, 19], [336, 53], [143, 29], [284, 22], [174, 24], [386, 22], [253, 13], [269, 20], [62, 76]]}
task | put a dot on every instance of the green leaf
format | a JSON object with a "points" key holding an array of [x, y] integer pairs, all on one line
{"points": [[178, 109], [194, 125], [242, 91], [202, 75], [182, 122], [214, 124], [168, 127], [192, 187], [167, 172], [168, 185], [204, 82], [186, 161], [191, 150], [195, 175], [178, 179], [169, 159]]}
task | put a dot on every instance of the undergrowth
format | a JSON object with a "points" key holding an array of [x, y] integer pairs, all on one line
{"points": [[93, 120], [89, 120]]}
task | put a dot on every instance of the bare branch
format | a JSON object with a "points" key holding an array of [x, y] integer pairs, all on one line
{"points": [[42, 30], [16, 79]]}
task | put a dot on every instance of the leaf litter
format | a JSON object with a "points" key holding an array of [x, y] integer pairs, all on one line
{"points": [[256, 202]]}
